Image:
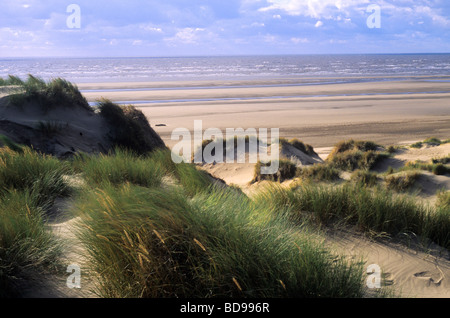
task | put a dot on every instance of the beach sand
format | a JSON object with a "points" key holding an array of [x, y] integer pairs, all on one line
{"points": [[388, 112]]}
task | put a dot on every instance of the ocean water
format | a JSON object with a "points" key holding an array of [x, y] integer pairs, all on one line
{"points": [[81, 70]]}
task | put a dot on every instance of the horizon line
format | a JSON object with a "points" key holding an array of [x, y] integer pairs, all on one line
{"points": [[222, 55]]}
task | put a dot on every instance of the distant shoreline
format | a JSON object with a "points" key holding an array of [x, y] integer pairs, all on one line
{"points": [[388, 112]]}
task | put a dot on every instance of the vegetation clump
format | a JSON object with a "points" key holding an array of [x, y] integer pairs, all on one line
{"points": [[377, 210], [129, 128], [353, 155], [155, 242], [50, 95], [29, 184], [402, 181], [364, 177], [286, 170], [437, 169], [300, 145], [433, 141], [318, 172], [443, 200]]}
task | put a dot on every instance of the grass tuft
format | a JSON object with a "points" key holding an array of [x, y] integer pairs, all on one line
{"points": [[433, 141], [318, 172], [129, 128], [39, 174], [351, 160], [402, 181], [355, 155], [118, 168], [443, 200], [365, 178], [27, 248], [300, 145], [370, 210], [286, 170], [48, 95], [158, 243]]}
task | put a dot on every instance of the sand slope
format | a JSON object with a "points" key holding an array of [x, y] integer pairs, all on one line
{"points": [[71, 129], [409, 271]]}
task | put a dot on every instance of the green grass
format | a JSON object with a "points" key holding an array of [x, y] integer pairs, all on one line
{"points": [[154, 242], [417, 145], [351, 160], [41, 175], [443, 160], [318, 172], [192, 180], [124, 166], [11, 81], [286, 170], [6, 142], [364, 177], [369, 210], [57, 93], [402, 181], [434, 140], [443, 200], [353, 155], [153, 228], [29, 184], [391, 149], [430, 141], [27, 249], [349, 145], [440, 170], [120, 167], [437, 169], [130, 128], [230, 145]]}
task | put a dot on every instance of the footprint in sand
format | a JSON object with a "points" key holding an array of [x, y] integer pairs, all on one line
{"points": [[388, 279], [432, 278]]}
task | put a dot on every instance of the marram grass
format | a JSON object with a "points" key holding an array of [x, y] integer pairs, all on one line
{"points": [[27, 248], [41, 175], [159, 243], [370, 210]]}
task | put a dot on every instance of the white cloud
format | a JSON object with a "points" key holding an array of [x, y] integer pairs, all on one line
{"points": [[313, 8], [433, 14], [151, 28], [257, 24], [186, 36], [333, 41], [299, 40], [318, 24]]}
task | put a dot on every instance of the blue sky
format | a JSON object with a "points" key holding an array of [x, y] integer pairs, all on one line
{"points": [[221, 27]]}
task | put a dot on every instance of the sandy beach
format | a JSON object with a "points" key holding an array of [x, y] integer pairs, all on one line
{"points": [[388, 112], [395, 112]]}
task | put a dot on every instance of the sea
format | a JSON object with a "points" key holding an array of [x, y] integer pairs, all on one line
{"points": [[334, 68]]}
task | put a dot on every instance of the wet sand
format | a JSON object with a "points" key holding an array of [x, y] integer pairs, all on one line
{"points": [[388, 112]]}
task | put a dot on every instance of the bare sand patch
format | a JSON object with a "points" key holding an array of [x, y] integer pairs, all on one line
{"points": [[411, 271]]}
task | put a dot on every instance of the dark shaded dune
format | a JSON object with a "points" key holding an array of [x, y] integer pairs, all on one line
{"points": [[66, 126]]}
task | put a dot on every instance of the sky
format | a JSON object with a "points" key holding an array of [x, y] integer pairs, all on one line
{"points": [[142, 28]]}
